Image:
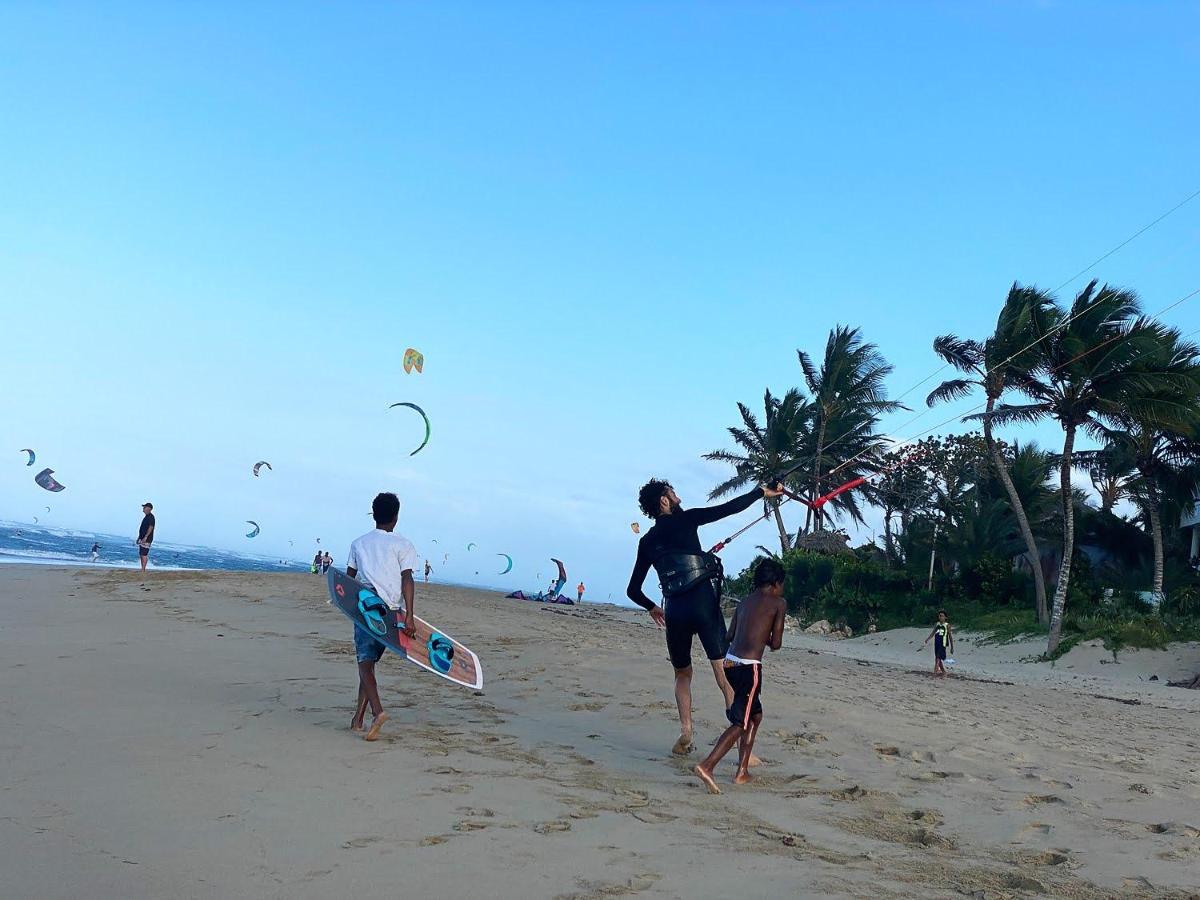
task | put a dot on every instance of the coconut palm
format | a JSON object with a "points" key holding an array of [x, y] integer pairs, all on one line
{"points": [[767, 448], [1096, 360], [1151, 452], [997, 364], [848, 397]]}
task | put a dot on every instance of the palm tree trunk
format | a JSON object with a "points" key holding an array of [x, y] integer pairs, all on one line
{"points": [[1031, 550], [785, 539], [887, 537], [1155, 515], [1064, 569], [815, 514]]}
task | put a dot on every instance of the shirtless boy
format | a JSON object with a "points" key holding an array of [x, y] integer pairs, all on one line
{"points": [[757, 624]]}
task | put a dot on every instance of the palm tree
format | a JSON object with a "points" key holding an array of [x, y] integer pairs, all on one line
{"points": [[848, 397], [998, 364], [1092, 366], [768, 449], [1151, 449]]}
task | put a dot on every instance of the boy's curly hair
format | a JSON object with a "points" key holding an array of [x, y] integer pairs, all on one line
{"points": [[652, 492]]}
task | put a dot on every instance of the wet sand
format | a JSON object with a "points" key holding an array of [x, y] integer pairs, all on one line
{"points": [[189, 738]]}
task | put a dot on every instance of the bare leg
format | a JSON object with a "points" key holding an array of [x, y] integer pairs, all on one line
{"points": [[366, 677], [747, 745], [360, 709], [683, 702], [143, 559], [718, 666], [725, 742]]}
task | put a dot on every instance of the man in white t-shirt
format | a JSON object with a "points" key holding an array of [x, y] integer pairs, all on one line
{"points": [[384, 561]]}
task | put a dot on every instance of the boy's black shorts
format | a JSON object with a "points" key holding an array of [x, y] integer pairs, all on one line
{"points": [[746, 681]]}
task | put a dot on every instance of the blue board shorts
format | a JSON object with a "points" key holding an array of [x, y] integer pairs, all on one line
{"points": [[367, 647]]}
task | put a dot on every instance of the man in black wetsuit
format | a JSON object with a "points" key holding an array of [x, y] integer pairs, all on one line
{"points": [[687, 575]]}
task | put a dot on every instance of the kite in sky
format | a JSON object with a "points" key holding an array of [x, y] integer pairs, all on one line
{"points": [[32, 456], [509, 567], [413, 359], [45, 479], [253, 533], [258, 465], [637, 529], [421, 413], [472, 546]]}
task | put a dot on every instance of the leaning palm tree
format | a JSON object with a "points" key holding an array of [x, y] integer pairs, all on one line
{"points": [[996, 364], [766, 449], [1096, 361], [848, 397]]}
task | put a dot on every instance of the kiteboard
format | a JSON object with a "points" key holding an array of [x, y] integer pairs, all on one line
{"points": [[431, 649]]}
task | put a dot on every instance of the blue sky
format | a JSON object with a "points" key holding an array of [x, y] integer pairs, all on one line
{"points": [[603, 224]]}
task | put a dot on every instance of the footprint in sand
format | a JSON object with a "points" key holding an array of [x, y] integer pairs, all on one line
{"points": [[888, 751], [552, 827], [433, 839], [360, 842], [587, 707], [476, 812], [652, 817], [469, 825]]}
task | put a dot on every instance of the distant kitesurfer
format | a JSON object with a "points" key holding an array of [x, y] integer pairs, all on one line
{"points": [[95, 552], [384, 561], [943, 639], [690, 581], [145, 534], [757, 624], [428, 569], [579, 589]]}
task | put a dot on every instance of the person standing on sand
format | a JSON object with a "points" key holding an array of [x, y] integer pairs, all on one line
{"points": [[316, 564], [757, 624], [384, 561], [95, 551], [687, 575], [428, 569], [145, 534], [579, 589], [943, 637]]}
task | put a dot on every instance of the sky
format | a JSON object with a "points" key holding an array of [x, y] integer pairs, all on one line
{"points": [[604, 225]]}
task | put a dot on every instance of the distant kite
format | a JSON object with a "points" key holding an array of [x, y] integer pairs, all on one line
{"points": [[471, 546], [413, 359], [318, 540], [637, 529], [44, 479], [258, 465], [253, 533], [421, 413], [291, 543], [32, 456], [509, 567], [35, 521], [47, 509]]}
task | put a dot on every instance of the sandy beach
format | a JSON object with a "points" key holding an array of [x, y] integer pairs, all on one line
{"points": [[188, 737]]}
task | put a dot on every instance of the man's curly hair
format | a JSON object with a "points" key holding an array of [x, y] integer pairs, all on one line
{"points": [[652, 491]]}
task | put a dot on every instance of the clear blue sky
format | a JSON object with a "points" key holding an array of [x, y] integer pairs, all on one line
{"points": [[604, 225]]}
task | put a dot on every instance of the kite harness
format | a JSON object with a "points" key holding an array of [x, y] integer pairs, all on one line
{"points": [[680, 572]]}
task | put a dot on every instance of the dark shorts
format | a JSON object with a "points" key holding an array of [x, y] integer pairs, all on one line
{"points": [[367, 647], [939, 649], [143, 551], [746, 682], [695, 614]]}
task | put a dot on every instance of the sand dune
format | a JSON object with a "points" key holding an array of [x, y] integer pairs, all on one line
{"points": [[188, 738]]}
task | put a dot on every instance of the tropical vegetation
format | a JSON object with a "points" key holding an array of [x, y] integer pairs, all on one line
{"points": [[1000, 531]]}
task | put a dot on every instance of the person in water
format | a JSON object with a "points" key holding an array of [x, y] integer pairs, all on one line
{"points": [[690, 581], [757, 624], [95, 551], [383, 561], [943, 638], [145, 534]]}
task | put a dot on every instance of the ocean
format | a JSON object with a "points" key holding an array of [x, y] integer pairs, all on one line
{"points": [[21, 543]]}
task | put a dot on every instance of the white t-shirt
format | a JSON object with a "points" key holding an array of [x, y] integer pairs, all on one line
{"points": [[380, 557]]}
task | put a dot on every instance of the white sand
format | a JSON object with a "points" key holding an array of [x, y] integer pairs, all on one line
{"points": [[190, 740]]}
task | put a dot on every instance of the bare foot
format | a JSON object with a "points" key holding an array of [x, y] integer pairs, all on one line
{"points": [[706, 776], [753, 761], [357, 727], [743, 778], [376, 727], [683, 746]]}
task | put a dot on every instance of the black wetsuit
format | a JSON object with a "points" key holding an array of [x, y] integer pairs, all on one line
{"points": [[696, 611]]}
